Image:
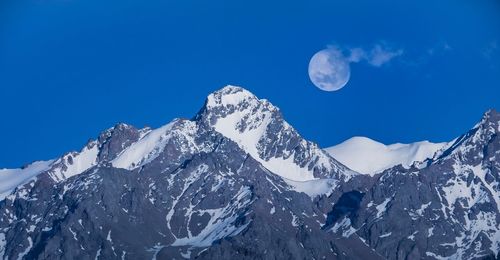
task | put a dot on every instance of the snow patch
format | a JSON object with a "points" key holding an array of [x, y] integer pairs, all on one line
{"points": [[75, 163], [367, 156], [249, 139], [10, 179], [382, 207], [145, 149], [221, 223], [27, 250], [385, 235], [344, 226], [313, 188], [3, 243]]}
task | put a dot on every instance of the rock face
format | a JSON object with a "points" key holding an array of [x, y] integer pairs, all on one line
{"points": [[237, 181]]}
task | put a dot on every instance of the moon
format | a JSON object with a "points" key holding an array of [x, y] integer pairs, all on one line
{"points": [[329, 70]]}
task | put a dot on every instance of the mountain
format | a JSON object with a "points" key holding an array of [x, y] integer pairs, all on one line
{"points": [[446, 209], [237, 181], [367, 156]]}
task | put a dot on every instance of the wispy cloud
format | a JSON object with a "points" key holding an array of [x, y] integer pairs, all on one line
{"points": [[376, 55], [356, 55], [441, 47], [381, 55], [419, 58], [490, 49]]}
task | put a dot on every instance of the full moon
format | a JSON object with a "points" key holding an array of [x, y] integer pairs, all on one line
{"points": [[329, 70]]}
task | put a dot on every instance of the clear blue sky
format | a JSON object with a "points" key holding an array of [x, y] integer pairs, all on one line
{"points": [[72, 68]]}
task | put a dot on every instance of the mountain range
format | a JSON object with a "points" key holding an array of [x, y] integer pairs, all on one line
{"points": [[238, 181]]}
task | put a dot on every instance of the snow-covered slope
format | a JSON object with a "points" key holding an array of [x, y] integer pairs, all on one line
{"points": [[257, 120], [259, 129], [367, 156], [144, 150], [74, 163], [12, 178]]}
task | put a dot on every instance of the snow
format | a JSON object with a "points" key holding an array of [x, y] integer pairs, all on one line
{"points": [[435, 256], [412, 236], [236, 97], [367, 156], [153, 142], [73, 233], [385, 235], [186, 255], [108, 237], [248, 141], [155, 250], [344, 226], [221, 223], [97, 254], [255, 115], [3, 243], [12, 178], [295, 221], [430, 231], [31, 229], [459, 190], [382, 207], [145, 149], [313, 188], [27, 250], [492, 187], [422, 208], [81, 162], [203, 168]]}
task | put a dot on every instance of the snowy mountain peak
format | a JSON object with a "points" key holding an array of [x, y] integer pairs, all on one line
{"points": [[235, 100], [230, 96], [492, 115], [474, 140], [368, 156], [490, 121], [259, 129], [13, 178], [150, 145]]}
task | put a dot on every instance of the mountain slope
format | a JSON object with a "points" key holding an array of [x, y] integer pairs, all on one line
{"points": [[258, 128], [12, 178], [446, 209], [367, 156]]}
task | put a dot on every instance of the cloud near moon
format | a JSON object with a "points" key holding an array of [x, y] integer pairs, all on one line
{"points": [[330, 70]]}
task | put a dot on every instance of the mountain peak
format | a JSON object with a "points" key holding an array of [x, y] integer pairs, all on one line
{"points": [[368, 156], [235, 98], [491, 117], [259, 129]]}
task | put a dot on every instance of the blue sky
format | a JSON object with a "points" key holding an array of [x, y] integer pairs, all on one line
{"points": [[72, 68]]}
